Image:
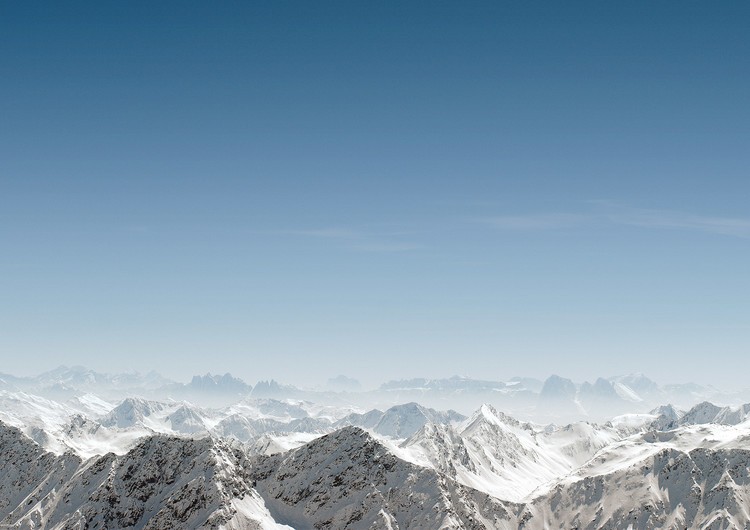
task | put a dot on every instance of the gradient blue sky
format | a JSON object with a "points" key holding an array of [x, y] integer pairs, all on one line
{"points": [[382, 189]]}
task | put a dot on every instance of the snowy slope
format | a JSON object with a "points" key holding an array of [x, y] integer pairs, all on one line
{"points": [[163, 482], [399, 421], [699, 489], [707, 412], [350, 480], [509, 459], [260, 462]]}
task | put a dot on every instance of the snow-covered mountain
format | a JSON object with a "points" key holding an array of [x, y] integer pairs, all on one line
{"points": [[620, 475], [400, 421], [697, 477], [350, 480], [207, 390], [557, 399], [84, 461], [709, 413], [163, 482], [67, 382], [509, 459]]}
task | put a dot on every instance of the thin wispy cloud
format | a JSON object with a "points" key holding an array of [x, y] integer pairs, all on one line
{"points": [[359, 240], [325, 233], [611, 214], [387, 247], [543, 221], [666, 219]]}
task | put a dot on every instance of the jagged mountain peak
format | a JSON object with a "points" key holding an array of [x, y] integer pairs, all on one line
{"points": [[162, 482], [701, 488], [401, 421], [703, 412], [707, 412], [186, 419], [667, 417], [131, 411], [489, 418], [367, 420], [348, 479], [668, 410]]}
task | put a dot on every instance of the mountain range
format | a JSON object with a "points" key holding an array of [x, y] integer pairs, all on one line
{"points": [[84, 460], [554, 399]]}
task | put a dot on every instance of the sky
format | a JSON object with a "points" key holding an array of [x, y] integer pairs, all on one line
{"points": [[296, 190]]}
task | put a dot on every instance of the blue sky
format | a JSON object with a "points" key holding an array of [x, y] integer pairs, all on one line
{"points": [[297, 190]]}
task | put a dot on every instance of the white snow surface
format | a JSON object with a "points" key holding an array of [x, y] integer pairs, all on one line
{"points": [[263, 463]]}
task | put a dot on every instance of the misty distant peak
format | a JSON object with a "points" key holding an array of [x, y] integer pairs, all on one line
{"points": [[556, 387], [224, 383], [638, 383], [273, 389], [342, 383], [600, 389]]}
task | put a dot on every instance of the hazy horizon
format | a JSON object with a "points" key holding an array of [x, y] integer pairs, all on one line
{"points": [[383, 191], [367, 384]]}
